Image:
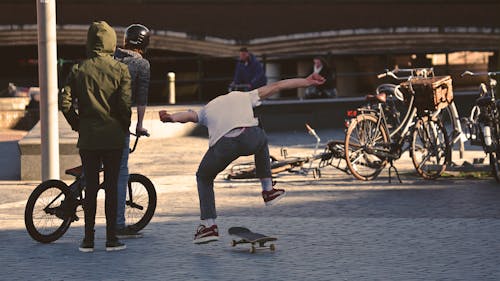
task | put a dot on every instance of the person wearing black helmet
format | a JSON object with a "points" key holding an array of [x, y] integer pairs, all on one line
{"points": [[136, 40]]}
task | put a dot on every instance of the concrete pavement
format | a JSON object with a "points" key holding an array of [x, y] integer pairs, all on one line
{"points": [[334, 228]]}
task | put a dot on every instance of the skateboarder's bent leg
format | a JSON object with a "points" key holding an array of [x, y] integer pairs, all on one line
{"points": [[216, 159], [263, 168]]}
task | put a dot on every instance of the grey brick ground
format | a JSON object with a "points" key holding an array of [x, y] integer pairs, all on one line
{"points": [[335, 228]]}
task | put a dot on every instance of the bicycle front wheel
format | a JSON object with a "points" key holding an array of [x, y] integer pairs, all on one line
{"points": [[140, 205], [49, 211], [363, 138], [430, 148]]}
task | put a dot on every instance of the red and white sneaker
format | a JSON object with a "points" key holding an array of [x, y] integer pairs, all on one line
{"points": [[273, 196], [206, 234]]}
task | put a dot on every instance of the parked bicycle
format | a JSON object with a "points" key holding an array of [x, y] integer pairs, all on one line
{"points": [[53, 205], [483, 123], [377, 133]]}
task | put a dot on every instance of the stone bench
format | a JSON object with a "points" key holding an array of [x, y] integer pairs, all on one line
{"points": [[12, 111]]}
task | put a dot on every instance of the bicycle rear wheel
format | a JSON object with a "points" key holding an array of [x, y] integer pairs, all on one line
{"points": [[493, 155], [141, 201], [495, 165], [430, 148], [364, 135], [451, 121], [49, 211]]}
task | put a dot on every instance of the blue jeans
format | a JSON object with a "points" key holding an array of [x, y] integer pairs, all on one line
{"points": [[252, 141], [122, 185]]}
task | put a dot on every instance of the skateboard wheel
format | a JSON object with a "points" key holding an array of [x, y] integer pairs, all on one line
{"points": [[233, 243], [272, 247], [252, 250]]}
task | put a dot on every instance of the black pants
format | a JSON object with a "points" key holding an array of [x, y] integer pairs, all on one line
{"points": [[91, 161]]}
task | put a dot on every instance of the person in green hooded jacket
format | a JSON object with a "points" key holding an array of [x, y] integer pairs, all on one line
{"points": [[100, 88]]}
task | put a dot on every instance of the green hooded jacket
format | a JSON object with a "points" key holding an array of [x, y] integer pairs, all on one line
{"points": [[100, 87]]}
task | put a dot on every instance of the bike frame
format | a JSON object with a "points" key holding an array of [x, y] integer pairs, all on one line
{"points": [[398, 135]]}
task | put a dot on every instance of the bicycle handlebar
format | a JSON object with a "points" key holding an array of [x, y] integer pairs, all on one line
{"points": [[414, 72], [137, 137], [312, 132], [309, 129], [470, 73], [142, 133]]}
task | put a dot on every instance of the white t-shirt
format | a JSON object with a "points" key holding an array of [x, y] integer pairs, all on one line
{"points": [[229, 111]]}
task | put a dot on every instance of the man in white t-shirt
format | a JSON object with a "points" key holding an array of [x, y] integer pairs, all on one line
{"points": [[233, 131]]}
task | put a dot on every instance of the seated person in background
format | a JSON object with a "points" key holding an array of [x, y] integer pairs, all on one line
{"points": [[248, 74], [325, 90]]}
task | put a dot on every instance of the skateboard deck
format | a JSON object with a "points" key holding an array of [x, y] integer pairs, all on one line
{"points": [[246, 236]]}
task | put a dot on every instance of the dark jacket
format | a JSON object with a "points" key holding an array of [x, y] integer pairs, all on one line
{"points": [[140, 72], [100, 87], [326, 73], [250, 73]]}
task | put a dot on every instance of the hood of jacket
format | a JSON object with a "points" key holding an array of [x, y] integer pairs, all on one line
{"points": [[101, 39]]}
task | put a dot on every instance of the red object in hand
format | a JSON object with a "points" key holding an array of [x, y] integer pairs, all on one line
{"points": [[163, 115]]}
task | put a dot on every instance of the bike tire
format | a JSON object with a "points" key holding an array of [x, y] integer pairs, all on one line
{"points": [[141, 201], [493, 154], [495, 165], [363, 132], [451, 121], [55, 215], [430, 148]]}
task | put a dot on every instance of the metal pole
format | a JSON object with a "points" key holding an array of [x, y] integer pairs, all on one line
{"points": [[171, 87], [47, 79]]}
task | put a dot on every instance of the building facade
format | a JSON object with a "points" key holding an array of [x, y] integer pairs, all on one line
{"points": [[199, 39]]}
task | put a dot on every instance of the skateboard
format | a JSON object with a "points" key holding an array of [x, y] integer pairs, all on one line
{"points": [[257, 240]]}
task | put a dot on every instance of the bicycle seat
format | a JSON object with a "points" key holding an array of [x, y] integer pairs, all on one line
{"points": [[76, 171], [382, 97]]}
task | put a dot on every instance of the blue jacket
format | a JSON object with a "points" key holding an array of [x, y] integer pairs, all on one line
{"points": [[250, 73]]}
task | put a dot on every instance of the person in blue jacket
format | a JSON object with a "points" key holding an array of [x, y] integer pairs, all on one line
{"points": [[249, 73]]}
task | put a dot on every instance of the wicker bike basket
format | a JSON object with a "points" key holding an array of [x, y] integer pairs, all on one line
{"points": [[431, 93]]}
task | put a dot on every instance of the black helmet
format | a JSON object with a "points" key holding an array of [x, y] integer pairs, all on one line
{"points": [[136, 37]]}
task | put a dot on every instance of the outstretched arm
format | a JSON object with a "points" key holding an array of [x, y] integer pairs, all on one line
{"points": [[181, 117], [268, 90]]}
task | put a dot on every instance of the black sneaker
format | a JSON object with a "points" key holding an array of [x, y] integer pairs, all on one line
{"points": [[127, 232], [205, 234], [86, 246], [115, 245]]}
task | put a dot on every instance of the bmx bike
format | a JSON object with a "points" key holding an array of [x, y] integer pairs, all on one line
{"points": [[53, 205]]}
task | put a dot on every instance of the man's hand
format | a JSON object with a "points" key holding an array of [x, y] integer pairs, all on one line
{"points": [[140, 131], [165, 117], [315, 79]]}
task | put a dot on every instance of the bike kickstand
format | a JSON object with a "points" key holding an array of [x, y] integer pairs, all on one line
{"points": [[395, 170]]}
